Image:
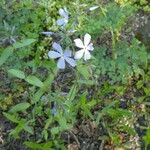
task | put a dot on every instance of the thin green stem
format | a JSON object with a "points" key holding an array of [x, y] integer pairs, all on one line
{"points": [[114, 54], [47, 84]]}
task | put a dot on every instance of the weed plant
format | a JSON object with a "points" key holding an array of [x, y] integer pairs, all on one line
{"points": [[55, 72]]}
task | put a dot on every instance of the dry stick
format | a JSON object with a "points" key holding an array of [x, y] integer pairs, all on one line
{"points": [[1, 139], [102, 145], [76, 139]]}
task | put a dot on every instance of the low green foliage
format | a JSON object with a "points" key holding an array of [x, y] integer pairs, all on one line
{"points": [[41, 101], [130, 61]]}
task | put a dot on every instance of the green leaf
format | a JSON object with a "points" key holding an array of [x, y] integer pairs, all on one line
{"points": [[15, 132], [47, 83], [10, 117], [115, 139], [24, 43], [20, 107], [47, 146], [118, 113], [5, 55], [72, 93], [34, 81], [104, 111], [9, 51], [17, 73], [32, 145], [147, 137], [147, 91], [45, 134], [55, 130], [86, 82], [84, 71], [39, 146], [28, 129]]}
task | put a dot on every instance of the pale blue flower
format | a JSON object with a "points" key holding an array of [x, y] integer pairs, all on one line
{"points": [[54, 109], [48, 33], [65, 16], [85, 47], [62, 56]]}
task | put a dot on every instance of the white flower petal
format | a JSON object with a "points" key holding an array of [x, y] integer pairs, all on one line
{"points": [[93, 8], [57, 47], [87, 55], [67, 53], [87, 39], [71, 61], [79, 43], [53, 54], [61, 63], [79, 54], [90, 47]]}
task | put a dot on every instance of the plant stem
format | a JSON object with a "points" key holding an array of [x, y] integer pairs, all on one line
{"points": [[47, 83], [114, 54]]}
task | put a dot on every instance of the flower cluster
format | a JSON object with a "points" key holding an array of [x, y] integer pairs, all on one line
{"points": [[85, 47], [61, 56], [65, 16]]}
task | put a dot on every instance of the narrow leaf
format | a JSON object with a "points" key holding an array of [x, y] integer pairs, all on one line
{"points": [[72, 93], [20, 107], [28, 129], [34, 81], [5, 55], [32, 145], [17, 73], [10, 117], [24, 43], [47, 83]]}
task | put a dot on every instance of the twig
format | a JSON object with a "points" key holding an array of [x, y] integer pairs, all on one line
{"points": [[102, 145], [1, 139], [76, 139]]}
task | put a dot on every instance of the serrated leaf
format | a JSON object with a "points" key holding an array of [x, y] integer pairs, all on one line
{"points": [[5, 55], [19, 107], [34, 81], [55, 130], [17, 73], [23, 43]]}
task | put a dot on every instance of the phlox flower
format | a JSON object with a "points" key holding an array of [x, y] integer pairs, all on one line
{"points": [[65, 16], [48, 33], [85, 46], [62, 57]]}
